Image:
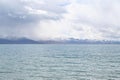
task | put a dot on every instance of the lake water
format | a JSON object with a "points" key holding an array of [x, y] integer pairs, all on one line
{"points": [[59, 62]]}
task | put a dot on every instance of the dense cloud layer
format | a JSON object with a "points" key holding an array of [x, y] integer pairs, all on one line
{"points": [[60, 19]]}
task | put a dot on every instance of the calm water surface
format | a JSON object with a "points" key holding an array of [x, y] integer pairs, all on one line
{"points": [[59, 62]]}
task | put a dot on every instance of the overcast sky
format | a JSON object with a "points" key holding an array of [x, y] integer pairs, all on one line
{"points": [[60, 19]]}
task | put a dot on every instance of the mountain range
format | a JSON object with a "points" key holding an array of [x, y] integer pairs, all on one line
{"points": [[68, 41]]}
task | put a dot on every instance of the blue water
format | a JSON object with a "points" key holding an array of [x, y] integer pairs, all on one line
{"points": [[59, 62]]}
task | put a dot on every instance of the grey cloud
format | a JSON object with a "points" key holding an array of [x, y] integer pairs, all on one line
{"points": [[81, 19], [14, 13]]}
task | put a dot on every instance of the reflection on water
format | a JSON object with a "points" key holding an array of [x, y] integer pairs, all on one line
{"points": [[59, 62]]}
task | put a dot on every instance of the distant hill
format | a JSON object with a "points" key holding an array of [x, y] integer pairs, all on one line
{"points": [[69, 41], [17, 41], [86, 41]]}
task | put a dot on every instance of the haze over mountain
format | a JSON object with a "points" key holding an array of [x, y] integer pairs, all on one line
{"points": [[68, 41], [51, 20]]}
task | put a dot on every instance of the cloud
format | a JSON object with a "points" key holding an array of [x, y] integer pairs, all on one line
{"points": [[20, 12], [61, 19]]}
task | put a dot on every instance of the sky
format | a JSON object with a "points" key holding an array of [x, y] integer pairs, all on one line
{"points": [[60, 19]]}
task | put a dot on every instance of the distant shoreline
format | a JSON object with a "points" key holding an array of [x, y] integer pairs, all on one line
{"points": [[69, 41]]}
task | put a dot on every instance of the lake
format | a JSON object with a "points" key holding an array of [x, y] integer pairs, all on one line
{"points": [[59, 62]]}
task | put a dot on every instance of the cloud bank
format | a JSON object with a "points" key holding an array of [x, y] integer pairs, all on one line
{"points": [[60, 19]]}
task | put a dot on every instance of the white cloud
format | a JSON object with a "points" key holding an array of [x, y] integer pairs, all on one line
{"points": [[62, 19], [35, 11]]}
